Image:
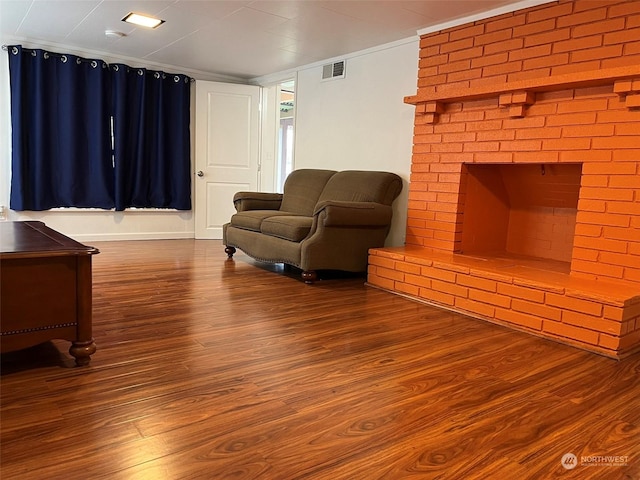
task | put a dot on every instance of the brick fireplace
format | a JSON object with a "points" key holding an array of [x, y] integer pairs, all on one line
{"points": [[524, 196]]}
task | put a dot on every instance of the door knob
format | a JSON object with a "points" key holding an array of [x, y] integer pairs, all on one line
{"points": [[200, 173]]}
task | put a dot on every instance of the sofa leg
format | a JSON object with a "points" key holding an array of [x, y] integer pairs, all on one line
{"points": [[229, 251], [309, 276]]}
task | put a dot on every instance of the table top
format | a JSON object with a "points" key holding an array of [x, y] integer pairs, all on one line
{"points": [[31, 238]]}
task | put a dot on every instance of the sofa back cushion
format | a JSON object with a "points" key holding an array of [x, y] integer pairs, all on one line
{"points": [[302, 188], [362, 186]]}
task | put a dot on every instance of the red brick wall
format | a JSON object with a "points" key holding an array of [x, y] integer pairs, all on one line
{"points": [[555, 38], [592, 125]]}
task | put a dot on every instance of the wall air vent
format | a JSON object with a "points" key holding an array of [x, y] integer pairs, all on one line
{"points": [[333, 70]]}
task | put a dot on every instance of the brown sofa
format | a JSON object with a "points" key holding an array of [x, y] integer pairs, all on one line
{"points": [[324, 220]]}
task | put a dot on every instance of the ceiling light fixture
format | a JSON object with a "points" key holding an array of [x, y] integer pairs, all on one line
{"points": [[142, 20]]}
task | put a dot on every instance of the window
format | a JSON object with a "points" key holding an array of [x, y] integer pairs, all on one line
{"points": [[89, 134]]}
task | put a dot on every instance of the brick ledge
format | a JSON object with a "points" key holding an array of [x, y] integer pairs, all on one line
{"points": [[595, 315], [569, 80], [557, 339], [613, 292]]}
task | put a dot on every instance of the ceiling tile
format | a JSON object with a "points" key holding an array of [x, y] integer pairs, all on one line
{"points": [[67, 14], [282, 8], [213, 10], [448, 10], [384, 14], [12, 14]]}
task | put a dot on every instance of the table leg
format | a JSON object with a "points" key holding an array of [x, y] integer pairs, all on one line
{"points": [[83, 346], [82, 351]]}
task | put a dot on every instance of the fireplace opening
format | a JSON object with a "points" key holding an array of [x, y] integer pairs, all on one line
{"points": [[523, 212]]}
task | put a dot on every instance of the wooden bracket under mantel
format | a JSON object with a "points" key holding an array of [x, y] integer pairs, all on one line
{"points": [[518, 94], [630, 91], [430, 111], [517, 102]]}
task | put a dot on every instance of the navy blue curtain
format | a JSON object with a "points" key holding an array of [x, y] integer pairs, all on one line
{"points": [[61, 154], [88, 134], [152, 140]]}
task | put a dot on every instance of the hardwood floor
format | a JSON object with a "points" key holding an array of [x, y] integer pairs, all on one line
{"points": [[216, 369]]}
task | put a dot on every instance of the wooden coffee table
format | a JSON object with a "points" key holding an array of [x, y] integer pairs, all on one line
{"points": [[45, 287]]}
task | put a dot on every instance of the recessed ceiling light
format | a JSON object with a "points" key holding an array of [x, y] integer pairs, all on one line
{"points": [[142, 20]]}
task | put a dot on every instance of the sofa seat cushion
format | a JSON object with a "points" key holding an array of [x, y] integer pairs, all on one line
{"points": [[291, 227], [252, 219]]}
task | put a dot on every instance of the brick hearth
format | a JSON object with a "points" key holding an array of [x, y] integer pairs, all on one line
{"points": [[551, 246]]}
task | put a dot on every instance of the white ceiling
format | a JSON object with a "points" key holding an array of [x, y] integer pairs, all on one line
{"points": [[239, 38]]}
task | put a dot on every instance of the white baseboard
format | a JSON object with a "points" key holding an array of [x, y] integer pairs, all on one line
{"points": [[108, 237]]}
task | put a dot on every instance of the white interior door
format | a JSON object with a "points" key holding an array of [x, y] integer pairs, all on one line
{"points": [[227, 151]]}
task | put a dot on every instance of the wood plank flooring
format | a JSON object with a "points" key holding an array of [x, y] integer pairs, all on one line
{"points": [[216, 369]]}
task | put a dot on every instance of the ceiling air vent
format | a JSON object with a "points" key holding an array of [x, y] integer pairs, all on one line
{"points": [[333, 70]]}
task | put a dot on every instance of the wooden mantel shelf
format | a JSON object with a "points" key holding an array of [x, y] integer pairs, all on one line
{"points": [[542, 84]]}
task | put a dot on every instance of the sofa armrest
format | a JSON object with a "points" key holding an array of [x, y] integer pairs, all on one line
{"points": [[353, 214], [244, 201]]}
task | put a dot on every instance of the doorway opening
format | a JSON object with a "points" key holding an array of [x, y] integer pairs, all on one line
{"points": [[286, 129]]}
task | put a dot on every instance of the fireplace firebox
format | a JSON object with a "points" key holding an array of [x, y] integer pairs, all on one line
{"points": [[520, 211]]}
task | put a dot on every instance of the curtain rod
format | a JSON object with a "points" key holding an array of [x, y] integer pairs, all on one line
{"points": [[6, 49]]}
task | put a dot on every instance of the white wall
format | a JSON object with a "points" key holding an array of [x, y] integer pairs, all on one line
{"points": [[360, 122]]}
